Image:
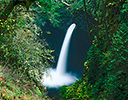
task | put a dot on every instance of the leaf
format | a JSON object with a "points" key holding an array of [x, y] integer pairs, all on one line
{"points": [[38, 91]]}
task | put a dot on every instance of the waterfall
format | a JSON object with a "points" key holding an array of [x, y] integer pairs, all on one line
{"points": [[62, 62], [58, 76]]}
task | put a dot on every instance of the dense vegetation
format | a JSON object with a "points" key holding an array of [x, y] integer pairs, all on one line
{"points": [[24, 56], [105, 76]]}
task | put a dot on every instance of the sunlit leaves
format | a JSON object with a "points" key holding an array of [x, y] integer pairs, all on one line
{"points": [[78, 90]]}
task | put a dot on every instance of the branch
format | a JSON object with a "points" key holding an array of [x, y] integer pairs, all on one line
{"points": [[65, 3]]}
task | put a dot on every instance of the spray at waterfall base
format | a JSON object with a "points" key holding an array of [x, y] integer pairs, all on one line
{"points": [[58, 76]]}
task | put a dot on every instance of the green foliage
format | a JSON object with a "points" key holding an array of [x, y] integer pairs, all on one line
{"points": [[57, 12], [14, 86], [79, 90], [118, 61], [23, 55], [57, 15], [44, 5], [106, 83], [105, 72], [38, 91], [62, 91], [124, 13], [25, 50], [20, 48]]}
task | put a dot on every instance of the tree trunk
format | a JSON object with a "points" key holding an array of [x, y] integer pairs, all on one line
{"points": [[87, 19]]}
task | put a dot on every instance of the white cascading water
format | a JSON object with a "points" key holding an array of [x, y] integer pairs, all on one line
{"points": [[58, 76], [62, 62]]}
